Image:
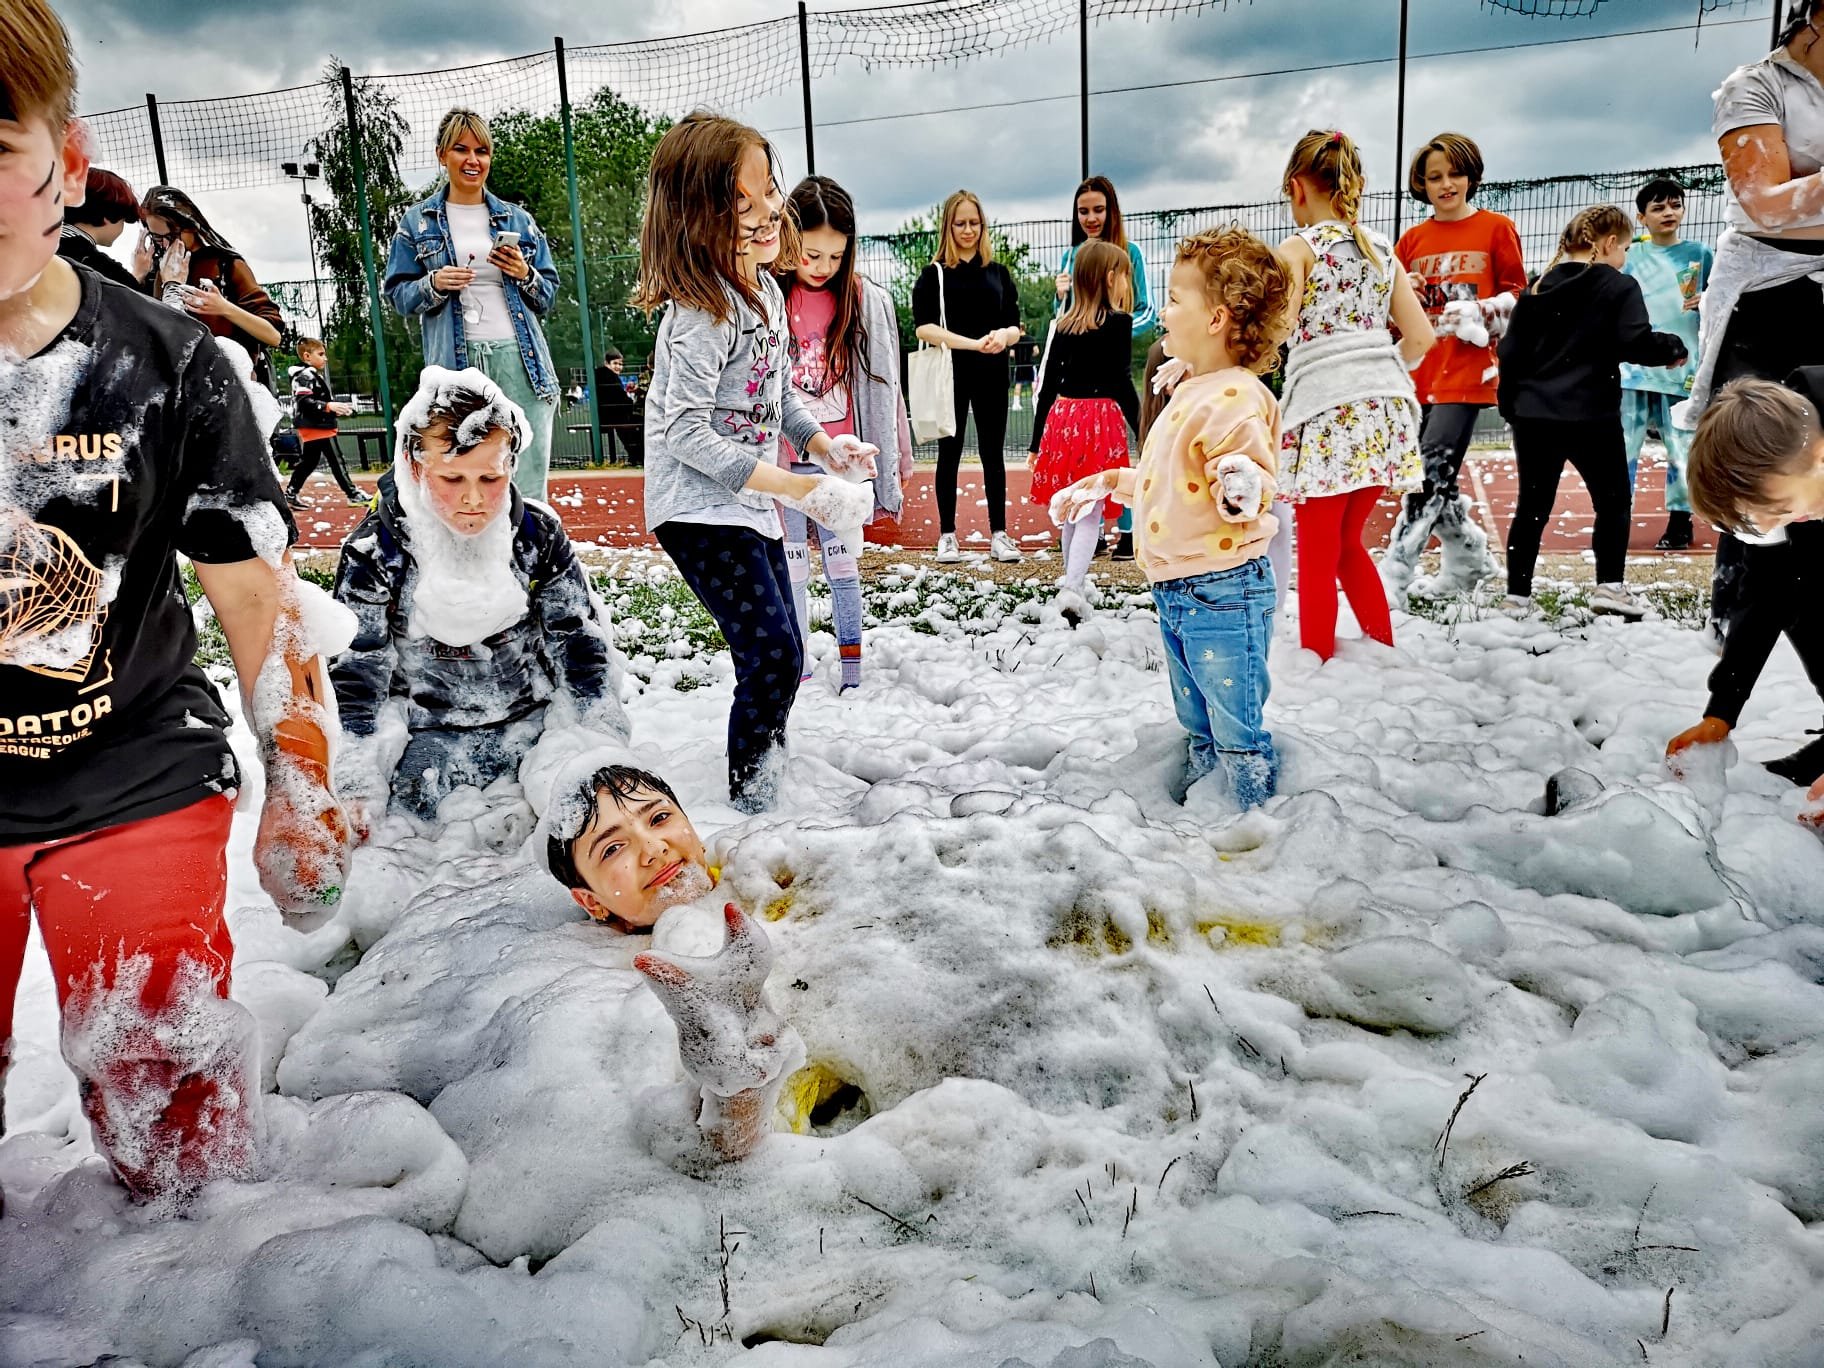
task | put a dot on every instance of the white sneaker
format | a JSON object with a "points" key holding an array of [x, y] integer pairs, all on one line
{"points": [[1515, 606], [947, 552], [1002, 548], [1619, 600]]}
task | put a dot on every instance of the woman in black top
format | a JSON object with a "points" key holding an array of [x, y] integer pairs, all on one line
{"points": [[97, 223], [1561, 391], [980, 321]]}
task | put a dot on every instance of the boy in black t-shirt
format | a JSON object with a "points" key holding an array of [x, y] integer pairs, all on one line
{"points": [[125, 440]]}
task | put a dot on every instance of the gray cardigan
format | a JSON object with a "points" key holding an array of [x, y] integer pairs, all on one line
{"points": [[717, 403]]}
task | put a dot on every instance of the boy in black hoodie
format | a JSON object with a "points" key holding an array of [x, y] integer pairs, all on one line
{"points": [[1560, 390], [315, 416]]}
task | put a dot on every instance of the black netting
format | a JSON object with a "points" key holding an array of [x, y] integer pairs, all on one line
{"points": [[121, 141], [1585, 9], [491, 89], [238, 142], [724, 69]]}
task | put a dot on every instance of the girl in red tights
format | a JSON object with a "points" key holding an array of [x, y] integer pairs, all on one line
{"points": [[1348, 413]]}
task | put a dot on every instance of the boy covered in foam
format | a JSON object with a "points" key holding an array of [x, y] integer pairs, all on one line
{"points": [[615, 835], [472, 610]]}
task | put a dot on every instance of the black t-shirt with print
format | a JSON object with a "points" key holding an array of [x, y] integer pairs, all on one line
{"points": [[123, 443]]}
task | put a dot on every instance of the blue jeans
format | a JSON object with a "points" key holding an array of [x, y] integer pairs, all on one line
{"points": [[1216, 629]]}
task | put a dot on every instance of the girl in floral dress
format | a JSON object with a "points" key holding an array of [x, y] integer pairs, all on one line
{"points": [[1350, 419]]}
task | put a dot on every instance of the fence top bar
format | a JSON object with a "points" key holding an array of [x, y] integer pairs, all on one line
{"points": [[219, 99], [450, 71]]}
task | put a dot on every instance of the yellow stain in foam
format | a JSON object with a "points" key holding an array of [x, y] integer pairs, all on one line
{"points": [[779, 906], [804, 1092], [1241, 931]]}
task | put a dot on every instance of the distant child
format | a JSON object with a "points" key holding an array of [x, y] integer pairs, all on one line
{"points": [[1201, 495], [1095, 216], [614, 408], [1673, 274], [715, 221], [1087, 404], [1561, 392], [470, 605], [1757, 468], [1351, 420], [845, 366], [314, 417], [1467, 267]]}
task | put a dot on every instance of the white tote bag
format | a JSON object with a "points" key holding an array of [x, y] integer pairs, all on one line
{"points": [[931, 383]]}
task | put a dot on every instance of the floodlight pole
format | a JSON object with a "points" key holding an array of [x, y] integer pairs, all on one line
{"points": [[1083, 77], [1399, 134]]}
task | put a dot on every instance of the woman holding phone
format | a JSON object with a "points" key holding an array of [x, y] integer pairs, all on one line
{"points": [[477, 273], [189, 265]]}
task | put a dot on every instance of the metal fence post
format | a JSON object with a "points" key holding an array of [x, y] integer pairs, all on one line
{"points": [[1399, 135], [1083, 79], [804, 66], [582, 270], [158, 138], [367, 250]]}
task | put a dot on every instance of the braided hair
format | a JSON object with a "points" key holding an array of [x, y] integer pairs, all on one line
{"points": [[1330, 160]]}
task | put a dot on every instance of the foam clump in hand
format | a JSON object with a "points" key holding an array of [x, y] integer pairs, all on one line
{"points": [[836, 504], [1242, 490]]}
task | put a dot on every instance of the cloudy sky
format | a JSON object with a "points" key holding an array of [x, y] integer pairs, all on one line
{"points": [[1542, 95]]}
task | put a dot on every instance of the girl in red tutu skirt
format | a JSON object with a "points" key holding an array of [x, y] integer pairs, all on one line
{"points": [[1087, 402]]}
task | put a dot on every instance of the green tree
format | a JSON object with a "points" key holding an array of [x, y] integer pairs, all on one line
{"points": [[614, 144], [337, 223]]}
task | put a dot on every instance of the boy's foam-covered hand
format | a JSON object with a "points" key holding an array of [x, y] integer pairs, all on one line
{"points": [[1242, 491], [835, 503], [1812, 815], [302, 847], [849, 457], [1496, 313], [1462, 319], [1170, 372], [1705, 733], [728, 1038], [1083, 498]]}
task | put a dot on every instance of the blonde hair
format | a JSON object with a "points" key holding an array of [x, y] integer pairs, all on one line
{"points": [[1461, 152], [1092, 298], [1587, 228], [688, 247], [948, 253], [1245, 276], [37, 73], [1752, 430], [457, 122], [1330, 160]]}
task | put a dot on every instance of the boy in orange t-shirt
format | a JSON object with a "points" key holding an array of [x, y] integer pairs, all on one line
{"points": [[1467, 267]]}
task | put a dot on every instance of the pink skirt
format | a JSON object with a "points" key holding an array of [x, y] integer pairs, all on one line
{"points": [[1082, 437]]}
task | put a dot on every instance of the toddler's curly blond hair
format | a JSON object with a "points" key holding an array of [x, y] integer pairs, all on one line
{"points": [[1242, 274]]}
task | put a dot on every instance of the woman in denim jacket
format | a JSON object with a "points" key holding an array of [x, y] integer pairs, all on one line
{"points": [[478, 300]]}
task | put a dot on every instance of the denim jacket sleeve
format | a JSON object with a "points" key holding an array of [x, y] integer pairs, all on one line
{"points": [[539, 289], [362, 676], [408, 285]]}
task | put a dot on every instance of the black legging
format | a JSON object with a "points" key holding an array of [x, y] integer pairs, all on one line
{"points": [[1599, 452], [742, 578], [322, 449], [981, 383]]}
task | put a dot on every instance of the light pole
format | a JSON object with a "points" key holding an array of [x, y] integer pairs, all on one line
{"points": [[304, 175]]}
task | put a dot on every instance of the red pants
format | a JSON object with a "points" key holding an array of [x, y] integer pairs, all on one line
{"points": [[1330, 552], [132, 918]]}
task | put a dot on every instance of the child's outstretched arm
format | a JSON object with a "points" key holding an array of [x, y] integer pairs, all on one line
{"points": [[733, 1046], [1417, 336], [1238, 464], [362, 678], [1634, 336]]}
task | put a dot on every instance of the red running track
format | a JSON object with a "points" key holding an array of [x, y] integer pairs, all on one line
{"points": [[605, 507]]}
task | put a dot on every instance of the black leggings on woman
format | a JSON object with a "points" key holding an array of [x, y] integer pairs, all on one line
{"points": [[742, 578], [1599, 452], [981, 383]]}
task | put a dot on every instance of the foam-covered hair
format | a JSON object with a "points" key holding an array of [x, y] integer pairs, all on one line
{"points": [[463, 406]]}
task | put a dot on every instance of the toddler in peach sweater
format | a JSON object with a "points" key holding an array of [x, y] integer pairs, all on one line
{"points": [[1202, 496]]}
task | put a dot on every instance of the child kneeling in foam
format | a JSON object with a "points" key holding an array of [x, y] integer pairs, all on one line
{"points": [[472, 609]]}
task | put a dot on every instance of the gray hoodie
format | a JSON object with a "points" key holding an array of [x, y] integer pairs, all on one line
{"points": [[718, 401]]}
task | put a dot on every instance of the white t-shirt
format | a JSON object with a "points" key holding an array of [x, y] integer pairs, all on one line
{"points": [[1774, 90], [484, 302]]}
